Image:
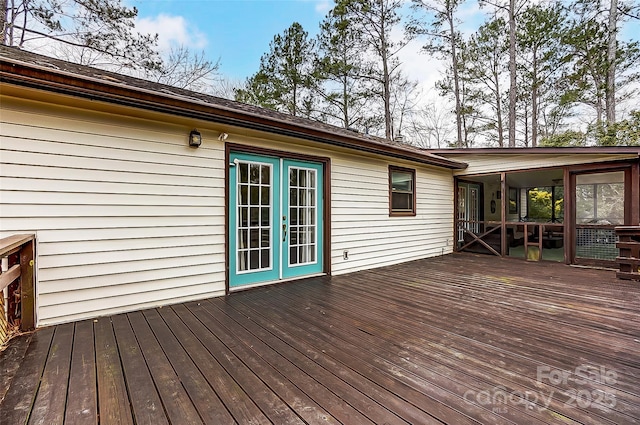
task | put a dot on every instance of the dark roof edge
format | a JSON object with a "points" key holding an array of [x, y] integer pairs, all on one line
{"points": [[541, 150], [26, 74]]}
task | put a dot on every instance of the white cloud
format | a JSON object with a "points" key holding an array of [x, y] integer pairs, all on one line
{"points": [[324, 6], [172, 31], [419, 66]]}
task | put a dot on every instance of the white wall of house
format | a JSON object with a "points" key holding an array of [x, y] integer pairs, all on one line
{"points": [[127, 216], [486, 164]]}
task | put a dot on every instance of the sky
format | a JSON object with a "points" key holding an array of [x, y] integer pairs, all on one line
{"points": [[238, 32]]}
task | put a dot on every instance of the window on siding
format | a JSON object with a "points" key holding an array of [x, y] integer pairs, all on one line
{"points": [[402, 198]]}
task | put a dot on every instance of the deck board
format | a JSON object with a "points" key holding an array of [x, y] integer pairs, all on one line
{"points": [[50, 403], [204, 398], [10, 360], [452, 340], [145, 402], [242, 407], [253, 387], [113, 399], [173, 394], [311, 377], [15, 407], [82, 396], [297, 400]]}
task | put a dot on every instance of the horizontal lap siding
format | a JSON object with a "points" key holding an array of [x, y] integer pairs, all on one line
{"points": [[361, 222], [127, 216], [486, 164]]}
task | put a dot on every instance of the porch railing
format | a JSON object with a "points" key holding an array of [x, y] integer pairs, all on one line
{"points": [[16, 284], [629, 258], [487, 237]]}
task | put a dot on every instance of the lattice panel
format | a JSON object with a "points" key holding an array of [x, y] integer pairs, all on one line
{"points": [[596, 243]]}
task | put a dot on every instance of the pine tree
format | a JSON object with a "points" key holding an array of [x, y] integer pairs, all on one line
{"points": [[285, 76], [589, 37], [443, 41], [541, 66], [339, 72], [486, 63], [374, 21]]}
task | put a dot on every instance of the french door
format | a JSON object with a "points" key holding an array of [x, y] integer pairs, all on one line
{"points": [[275, 219]]}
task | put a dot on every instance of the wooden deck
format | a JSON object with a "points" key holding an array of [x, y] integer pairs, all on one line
{"points": [[460, 339]]}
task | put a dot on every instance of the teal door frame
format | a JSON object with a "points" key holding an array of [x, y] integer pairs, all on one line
{"points": [[266, 243]]}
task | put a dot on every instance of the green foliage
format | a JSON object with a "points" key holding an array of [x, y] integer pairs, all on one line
{"points": [[339, 70], [285, 76], [373, 21], [562, 66], [621, 133], [539, 203], [587, 38], [484, 58], [540, 69], [569, 138]]}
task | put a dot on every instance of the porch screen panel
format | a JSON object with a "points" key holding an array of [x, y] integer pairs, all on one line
{"points": [[599, 208]]}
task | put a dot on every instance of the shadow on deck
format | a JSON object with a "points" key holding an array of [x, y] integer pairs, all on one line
{"points": [[459, 339]]}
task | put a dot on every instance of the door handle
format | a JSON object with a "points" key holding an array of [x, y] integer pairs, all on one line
{"points": [[284, 232]]}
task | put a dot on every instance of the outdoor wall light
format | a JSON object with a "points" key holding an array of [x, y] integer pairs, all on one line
{"points": [[195, 138]]}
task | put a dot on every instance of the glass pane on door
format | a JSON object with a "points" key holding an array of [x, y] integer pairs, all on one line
{"points": [[254, 206], [302, 215]]}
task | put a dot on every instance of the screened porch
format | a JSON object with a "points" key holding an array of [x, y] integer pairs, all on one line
{"points": [[556, 214]]}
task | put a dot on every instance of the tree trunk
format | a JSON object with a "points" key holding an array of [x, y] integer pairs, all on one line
{"points": [[345, 102], [499, 118], [345, 92], [534, 102], [456, 84], [526, 126], [3, 21], [294, 107], [611, 63], [386, 93], [512, 74]]}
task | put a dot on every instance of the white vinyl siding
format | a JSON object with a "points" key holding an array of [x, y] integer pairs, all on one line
{"points": [[487, 164], [361, 222], [127, 216]]}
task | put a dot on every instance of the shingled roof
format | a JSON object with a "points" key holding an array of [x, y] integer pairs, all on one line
{"points": [[28, 69]]}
